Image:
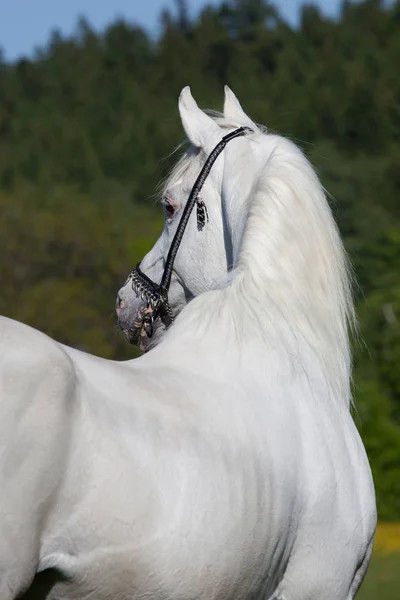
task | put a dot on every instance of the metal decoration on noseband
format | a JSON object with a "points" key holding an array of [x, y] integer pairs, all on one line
{"points": [[155, 294], [202, 214]]}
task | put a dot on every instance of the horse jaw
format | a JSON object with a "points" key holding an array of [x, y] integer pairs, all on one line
{"points": [[203, 132]]}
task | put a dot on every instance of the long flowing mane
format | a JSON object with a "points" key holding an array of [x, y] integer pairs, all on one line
{"points": [[292, 245]]}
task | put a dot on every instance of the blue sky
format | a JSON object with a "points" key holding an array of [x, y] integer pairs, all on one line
{"points": [[25, 24]]}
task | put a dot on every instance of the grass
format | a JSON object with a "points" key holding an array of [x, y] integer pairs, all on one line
{"points": [[383, 578], [387, 538]]}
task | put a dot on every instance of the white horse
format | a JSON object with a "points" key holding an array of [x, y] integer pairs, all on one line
{"points": [[224, 464]]}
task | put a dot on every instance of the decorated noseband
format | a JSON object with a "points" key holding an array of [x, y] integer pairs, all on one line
{"points": [[156, 295]]}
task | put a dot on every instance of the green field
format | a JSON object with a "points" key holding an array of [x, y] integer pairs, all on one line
{"points": [[383, 578]]}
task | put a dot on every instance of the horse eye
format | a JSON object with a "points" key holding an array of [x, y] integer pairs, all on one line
{"points": [[169, 210]]}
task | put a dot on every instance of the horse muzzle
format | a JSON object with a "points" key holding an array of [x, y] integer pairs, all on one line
{"points": [[135, 318]]}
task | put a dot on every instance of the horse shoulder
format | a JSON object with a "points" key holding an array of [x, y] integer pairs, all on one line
{"points": [[37, 380]]}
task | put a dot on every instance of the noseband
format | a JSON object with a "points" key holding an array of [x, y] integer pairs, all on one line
{"points": [[156, 294]]}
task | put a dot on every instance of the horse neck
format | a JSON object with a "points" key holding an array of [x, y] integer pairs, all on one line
{"points": [[291, 277]]}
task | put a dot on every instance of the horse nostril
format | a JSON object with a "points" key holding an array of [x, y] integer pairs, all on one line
{"points": [[120, 304]]}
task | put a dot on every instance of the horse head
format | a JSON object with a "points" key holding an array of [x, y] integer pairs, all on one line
{"points": [[205, 254]]}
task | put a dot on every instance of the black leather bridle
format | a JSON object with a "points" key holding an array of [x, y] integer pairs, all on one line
{"points": [[156, 294]]}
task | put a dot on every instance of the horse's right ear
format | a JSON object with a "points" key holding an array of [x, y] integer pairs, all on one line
{"points": [[233, 110], [200, 129]]}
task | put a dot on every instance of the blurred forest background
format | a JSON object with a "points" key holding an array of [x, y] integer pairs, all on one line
{"points": [[86, 128]]}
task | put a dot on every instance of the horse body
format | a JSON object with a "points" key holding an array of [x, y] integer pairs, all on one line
{"points": [[224, 464], [197, 489]]}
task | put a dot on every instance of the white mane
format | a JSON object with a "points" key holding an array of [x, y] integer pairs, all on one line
{"points": [[291, 276]]}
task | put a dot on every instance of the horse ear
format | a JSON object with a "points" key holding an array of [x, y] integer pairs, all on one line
{"points": [[201, 130], [233, 110]]}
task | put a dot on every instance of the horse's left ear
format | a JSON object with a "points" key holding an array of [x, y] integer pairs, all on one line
{"points": [[233, 110], [202, 130]]}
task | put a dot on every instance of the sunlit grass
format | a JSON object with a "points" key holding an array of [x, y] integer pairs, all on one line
{"points": [[387, 539]]}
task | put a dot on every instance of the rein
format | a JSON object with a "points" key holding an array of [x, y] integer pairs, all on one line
{"points": [[156, 294]]}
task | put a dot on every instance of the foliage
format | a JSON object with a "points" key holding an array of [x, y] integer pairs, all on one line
{"points": [[84, 127], [65, 256]]}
